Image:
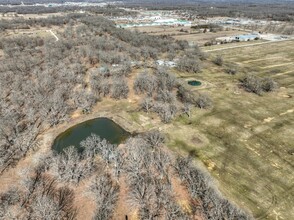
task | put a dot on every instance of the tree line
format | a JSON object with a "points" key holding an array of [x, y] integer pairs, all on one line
{"points": [[48, 190]]}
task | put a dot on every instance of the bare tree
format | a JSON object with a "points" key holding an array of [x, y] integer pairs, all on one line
{"points": [[218, 60], [252, 83], [120, 89], [147, 104], [189, 65], [145, 83], [203, 101], [105, 193], [154, 138]]}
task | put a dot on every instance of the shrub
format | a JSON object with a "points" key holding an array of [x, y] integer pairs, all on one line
{"points": [[268, 84], [203, 101], [218, 60], [252, 83], [231, 69]]}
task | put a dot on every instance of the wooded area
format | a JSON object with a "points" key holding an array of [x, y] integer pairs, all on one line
{"points": [[43, 81]]}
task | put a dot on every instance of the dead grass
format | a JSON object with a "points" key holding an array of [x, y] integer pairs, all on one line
{"points": [[244, 140], [161, 30], [249, 136], [202, 38]]}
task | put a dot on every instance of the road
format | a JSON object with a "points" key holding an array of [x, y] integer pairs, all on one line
{"points": [[246, 45], [54, 35]]}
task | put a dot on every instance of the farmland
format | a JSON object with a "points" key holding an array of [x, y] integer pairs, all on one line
{"points": [[250, 138]]}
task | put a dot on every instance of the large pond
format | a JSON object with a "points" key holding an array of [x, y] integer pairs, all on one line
{"points": [[103, 127]]}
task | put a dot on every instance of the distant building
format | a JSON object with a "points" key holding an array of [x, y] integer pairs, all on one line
{"points": [[243, 37], [247, 37]]}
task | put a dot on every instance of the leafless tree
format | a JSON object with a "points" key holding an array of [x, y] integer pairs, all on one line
{"points": [[120, 89], [218, 60], [154, 138], [189, 65], [145, 83], [252, 83], [203, 101], [147, 104], [213, 205], [105, 193]]}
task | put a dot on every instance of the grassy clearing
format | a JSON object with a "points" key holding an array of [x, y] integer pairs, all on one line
{"points": [[201, 38], [248, 138]]}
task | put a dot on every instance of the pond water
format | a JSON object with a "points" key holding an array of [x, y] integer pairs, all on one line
{"points": [[103, 127], [194, 83]]}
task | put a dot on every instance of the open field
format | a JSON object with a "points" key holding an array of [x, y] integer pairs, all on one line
{"points": [[202, 38], [247, 140], [191, 36], [231, 45], [32, 16], [160, 30], [33, 32], [242, 45]]}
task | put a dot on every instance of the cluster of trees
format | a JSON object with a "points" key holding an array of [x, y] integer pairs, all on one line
{"points": [[206, 198], [212, 27], [287, 28], [38, 9], [105, 192], [267, 9], [148, 172], [38, 196], [143, 163], [160, 95], [190, 61], [166, 96], [200, 100], [48, 191], [111, 81], [255, 84], [43, 81], [29, 2], [38, 89]]}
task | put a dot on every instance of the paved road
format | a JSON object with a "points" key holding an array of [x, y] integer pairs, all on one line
{"points": [[246, 45]]}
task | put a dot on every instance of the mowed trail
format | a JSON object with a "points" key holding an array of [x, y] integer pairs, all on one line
{"points": [[247, 45], [263, 59]]}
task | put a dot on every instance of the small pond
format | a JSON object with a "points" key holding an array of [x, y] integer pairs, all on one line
{"points": [[103, 127], [194, 83]]}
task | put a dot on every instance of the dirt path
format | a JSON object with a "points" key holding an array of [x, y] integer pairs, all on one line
{"points": [[54, 35]]}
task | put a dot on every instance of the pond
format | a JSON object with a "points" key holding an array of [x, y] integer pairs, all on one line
{"points": [[103, 127], [194, 83]]}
